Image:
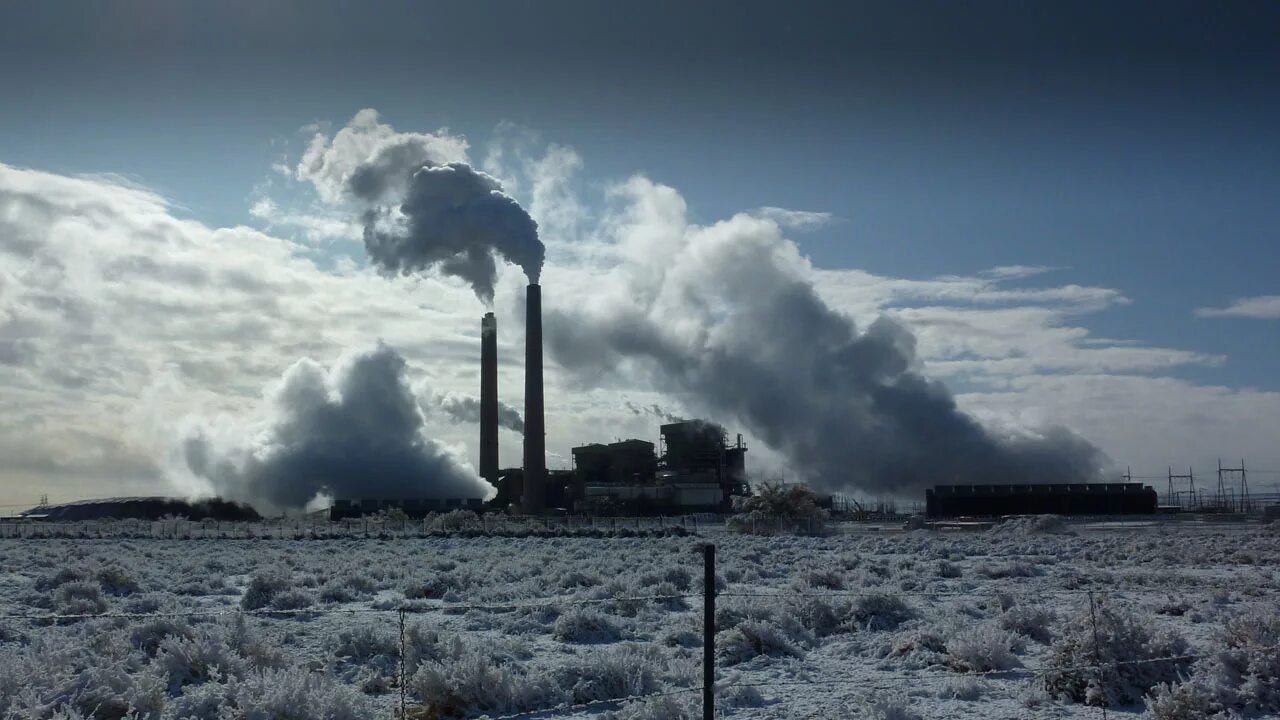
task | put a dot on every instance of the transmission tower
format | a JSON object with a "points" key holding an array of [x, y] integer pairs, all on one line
{"points": [[1190, 477], [1225, 473]]}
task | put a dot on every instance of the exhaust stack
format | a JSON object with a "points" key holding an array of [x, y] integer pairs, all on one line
{"points": [[535, 440], [489, 399]]}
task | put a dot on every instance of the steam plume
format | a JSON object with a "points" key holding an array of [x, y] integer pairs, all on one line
{"points": [[351, 431], [423, 207], [454, 218], [466, 409], [725, 317]]}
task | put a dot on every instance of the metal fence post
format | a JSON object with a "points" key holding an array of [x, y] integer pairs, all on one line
{"points": [[708, 631]]}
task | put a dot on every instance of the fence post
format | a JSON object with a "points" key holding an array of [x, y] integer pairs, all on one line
{"points": [[708, 631], [1097, 656], [404, 707]]}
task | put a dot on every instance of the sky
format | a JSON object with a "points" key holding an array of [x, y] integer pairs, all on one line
{"points": [[1071, 207]]}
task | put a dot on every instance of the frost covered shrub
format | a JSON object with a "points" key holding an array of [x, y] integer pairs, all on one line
{"points": [[79, 597], [585, 625], [947, 570], [470, 684], [292, 600], [879, 611], [1013, 569], [1243, 675], [751, 638], [1121, 638], [115, 580], [981, 649], [262, 588], [365, 642], [148, 636], [1029, 621], [621, 671], [296, 695]]}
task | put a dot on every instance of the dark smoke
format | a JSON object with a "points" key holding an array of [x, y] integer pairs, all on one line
{"points": [[351, 432], [729, 322], [453, 219], [466, 409]]}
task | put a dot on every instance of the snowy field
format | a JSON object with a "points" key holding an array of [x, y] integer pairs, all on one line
{"points": [[869, 623]]}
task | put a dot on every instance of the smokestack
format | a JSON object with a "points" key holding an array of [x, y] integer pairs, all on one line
{"points": [[535, 440], [489, 398]]}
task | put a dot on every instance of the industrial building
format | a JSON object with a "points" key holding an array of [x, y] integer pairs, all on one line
{"points": [[948, 501], [141, 508], [696, 470]]}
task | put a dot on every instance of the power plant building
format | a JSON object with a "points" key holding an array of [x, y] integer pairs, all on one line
{"points": [[697, 470], [949, 501]]}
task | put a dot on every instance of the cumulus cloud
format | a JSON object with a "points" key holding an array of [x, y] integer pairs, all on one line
{"points": [[727, 318], [1263, 307], [351, 431]]}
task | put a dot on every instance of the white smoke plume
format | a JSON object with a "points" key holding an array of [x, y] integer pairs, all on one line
{"points": [[725, 317], [350, 431], [466, 409], [422, 206], [654, 410]]}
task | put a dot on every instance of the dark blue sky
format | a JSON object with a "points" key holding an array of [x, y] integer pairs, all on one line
{"points": [[1132, 142]]}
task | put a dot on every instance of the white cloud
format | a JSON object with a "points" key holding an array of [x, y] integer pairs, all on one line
{"points": [[799, 220], [1263, 307]]}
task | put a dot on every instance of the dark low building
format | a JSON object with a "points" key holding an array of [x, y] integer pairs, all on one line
{"points": [[943, 501], [142, 508]]}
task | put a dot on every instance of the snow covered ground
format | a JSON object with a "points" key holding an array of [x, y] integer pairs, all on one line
{"points": [[871, 622]]}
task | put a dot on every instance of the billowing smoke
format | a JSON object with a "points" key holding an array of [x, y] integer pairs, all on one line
{"points": [[351, 431], [423, 207], [726, 318], [466, 409], [454, 218]]}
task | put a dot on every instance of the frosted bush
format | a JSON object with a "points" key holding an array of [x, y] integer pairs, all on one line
{"points": [[292, 600], [1242, 675], [262, 588], [470, 684], [149, 635], [1127, 654], [981, 649], [1029, 621], [751, 638], [585, 625], [616, 672], [879, 611], [739, 696], [296, 695], [79, 597]]}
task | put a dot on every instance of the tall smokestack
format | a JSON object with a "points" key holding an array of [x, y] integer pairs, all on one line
{"points": [[535, 440], [489, 398]]}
